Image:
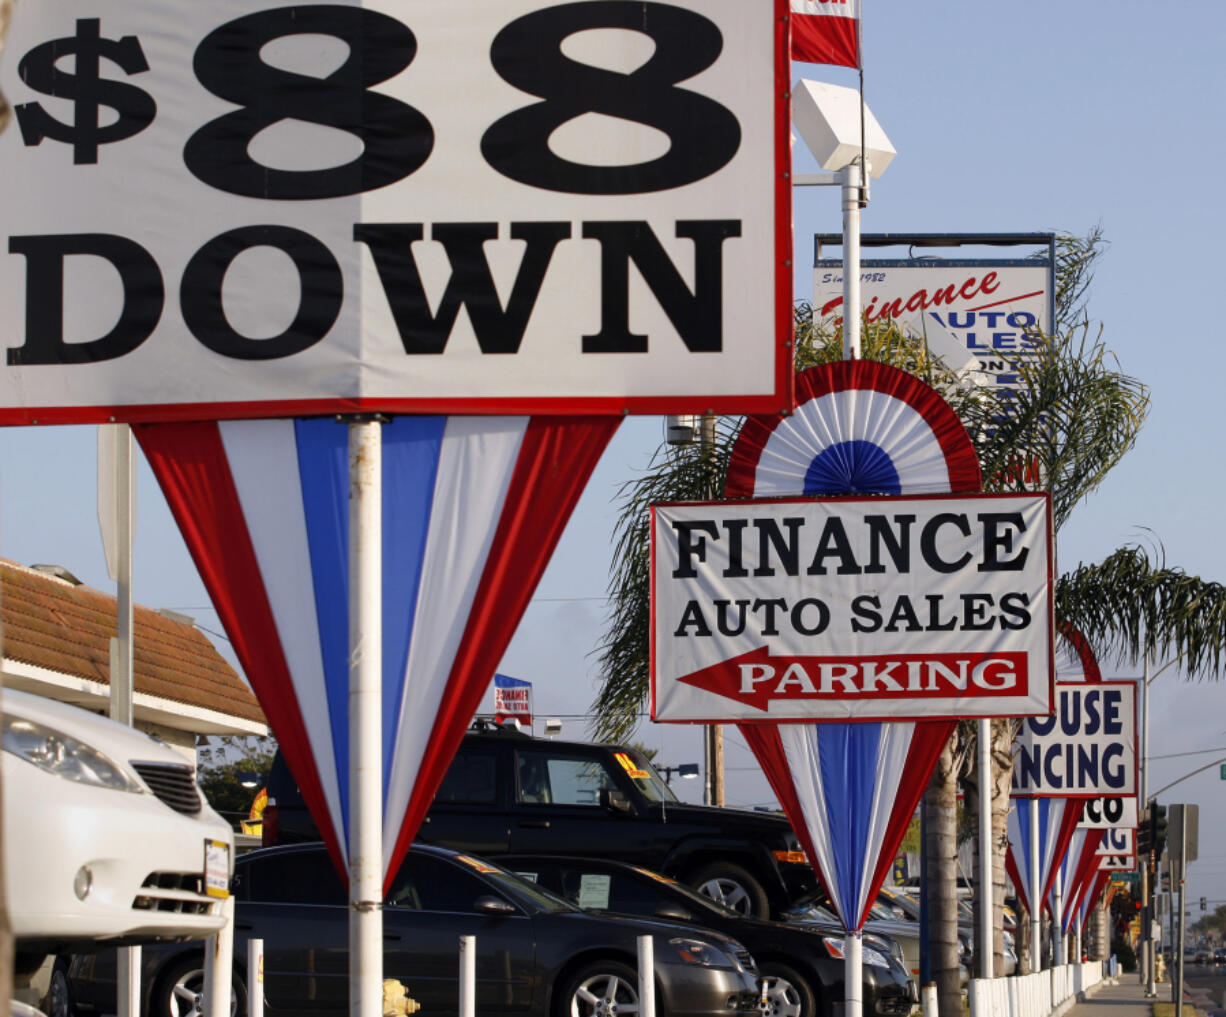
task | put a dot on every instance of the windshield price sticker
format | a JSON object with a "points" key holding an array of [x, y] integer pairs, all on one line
{"points": [[228, 209], [864, 608], [217, 868]]}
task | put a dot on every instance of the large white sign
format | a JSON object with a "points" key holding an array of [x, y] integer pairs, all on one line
{"points": [[1085, 749], [980, 316], [852, 608], [238, 208]]}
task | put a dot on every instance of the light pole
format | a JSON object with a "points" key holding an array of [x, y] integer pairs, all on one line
{"points": [[846, 140]]}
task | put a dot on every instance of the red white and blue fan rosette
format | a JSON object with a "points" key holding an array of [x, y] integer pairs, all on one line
{"points": [[851, 789]]}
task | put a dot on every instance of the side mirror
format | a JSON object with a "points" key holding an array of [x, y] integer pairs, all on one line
{"points": [[615, 801], [488, 904]]}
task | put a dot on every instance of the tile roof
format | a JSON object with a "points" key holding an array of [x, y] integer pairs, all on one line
{"points": [[51, 623]]}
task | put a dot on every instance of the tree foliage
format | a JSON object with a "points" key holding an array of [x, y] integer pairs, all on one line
{"points": [[224, 768], [1070, 418]]}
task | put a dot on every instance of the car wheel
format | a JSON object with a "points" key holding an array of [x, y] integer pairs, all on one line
{"points": [[733, 887], [179, 991], [59, 993], [599, 989], [784, 992]]}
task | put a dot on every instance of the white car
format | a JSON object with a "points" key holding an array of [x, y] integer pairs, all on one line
{"points": [[107, 838]]}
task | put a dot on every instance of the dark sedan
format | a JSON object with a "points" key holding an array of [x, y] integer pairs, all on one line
{"points": [[536, 954], [801, 968]]}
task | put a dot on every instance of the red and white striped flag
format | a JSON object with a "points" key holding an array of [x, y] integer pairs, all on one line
{"points": [[826, 32]]}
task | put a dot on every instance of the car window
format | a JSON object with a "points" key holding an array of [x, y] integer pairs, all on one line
{"points": [[294, 877], [546, 779], [471, 778]]}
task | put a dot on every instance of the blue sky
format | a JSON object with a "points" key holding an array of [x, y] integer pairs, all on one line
{"points": [[1006, 117]]}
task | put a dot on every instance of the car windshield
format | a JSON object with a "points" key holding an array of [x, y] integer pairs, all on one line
{"points": [[650, 784], [527, 895]]}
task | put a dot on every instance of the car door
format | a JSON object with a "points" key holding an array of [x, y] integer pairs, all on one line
{"points": [[294, 900], [557, 810], [469, 812], [432, 903]]}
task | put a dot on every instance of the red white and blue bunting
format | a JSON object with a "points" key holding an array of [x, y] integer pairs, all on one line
{"points": [[472, 509], [851, 789], [1058, 818]]}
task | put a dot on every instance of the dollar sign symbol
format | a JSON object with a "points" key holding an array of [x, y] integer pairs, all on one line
{"points": [[87, 90]]}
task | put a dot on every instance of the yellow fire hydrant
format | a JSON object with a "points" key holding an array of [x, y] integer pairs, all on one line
{"points": [[396, 1002]]}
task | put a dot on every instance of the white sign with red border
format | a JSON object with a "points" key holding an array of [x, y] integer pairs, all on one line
{"points": [[248, 209], [851, 608], [979, 317], [1087, 748]]}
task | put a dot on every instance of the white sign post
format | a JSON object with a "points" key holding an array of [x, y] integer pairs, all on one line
{"points": [[852, 608]]}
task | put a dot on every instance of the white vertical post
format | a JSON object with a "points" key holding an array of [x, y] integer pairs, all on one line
{"points": [[468, 976], [255, 978], [986, 925], [127, 989], [217, 980], [647, 976], [851, 178], [853, 974], [1058, 955], [365, 719], [117, 520], [1036, 900]]}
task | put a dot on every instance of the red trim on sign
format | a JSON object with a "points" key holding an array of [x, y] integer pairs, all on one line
{"points": [[189, 461], [1089, 663], [556, 459], [844, 375]]}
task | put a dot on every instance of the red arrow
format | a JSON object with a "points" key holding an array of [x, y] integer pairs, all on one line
{"points": [[724, 679]]}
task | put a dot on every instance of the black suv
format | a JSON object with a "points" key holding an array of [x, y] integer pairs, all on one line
{"points": [[507, 792]]}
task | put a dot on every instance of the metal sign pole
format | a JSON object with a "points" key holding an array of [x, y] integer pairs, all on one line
{"points": [[1036, 901], [986, 916], [365, 719], [1183, 875]]}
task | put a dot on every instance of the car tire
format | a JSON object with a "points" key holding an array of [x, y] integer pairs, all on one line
{"points": [[733, 887], [59, 992], [598, 989], [179, 987], [785, 992]]}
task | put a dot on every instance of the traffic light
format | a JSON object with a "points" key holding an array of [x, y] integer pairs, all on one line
{"points": [[1157, 832], [1144, 839], [1202, 903]]}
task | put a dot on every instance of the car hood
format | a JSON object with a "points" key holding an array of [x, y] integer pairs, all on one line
{"points": [[713, 814]]}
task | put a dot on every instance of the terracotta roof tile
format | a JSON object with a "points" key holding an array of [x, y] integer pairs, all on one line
{"points": [[52, 624]]}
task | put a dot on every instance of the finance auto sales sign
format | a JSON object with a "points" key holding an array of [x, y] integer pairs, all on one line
{"points": [[244, 208], [852, 609]]}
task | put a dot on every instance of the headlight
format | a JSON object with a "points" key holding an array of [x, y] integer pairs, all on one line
{"points": [[697, 951], [869, 955], [62, 755]]}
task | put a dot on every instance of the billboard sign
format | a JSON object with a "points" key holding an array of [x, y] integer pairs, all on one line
{"points": [[977, 314], [245, 209], [852, 608], [1085, 749], [1118, 842], [1109, 813]]}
